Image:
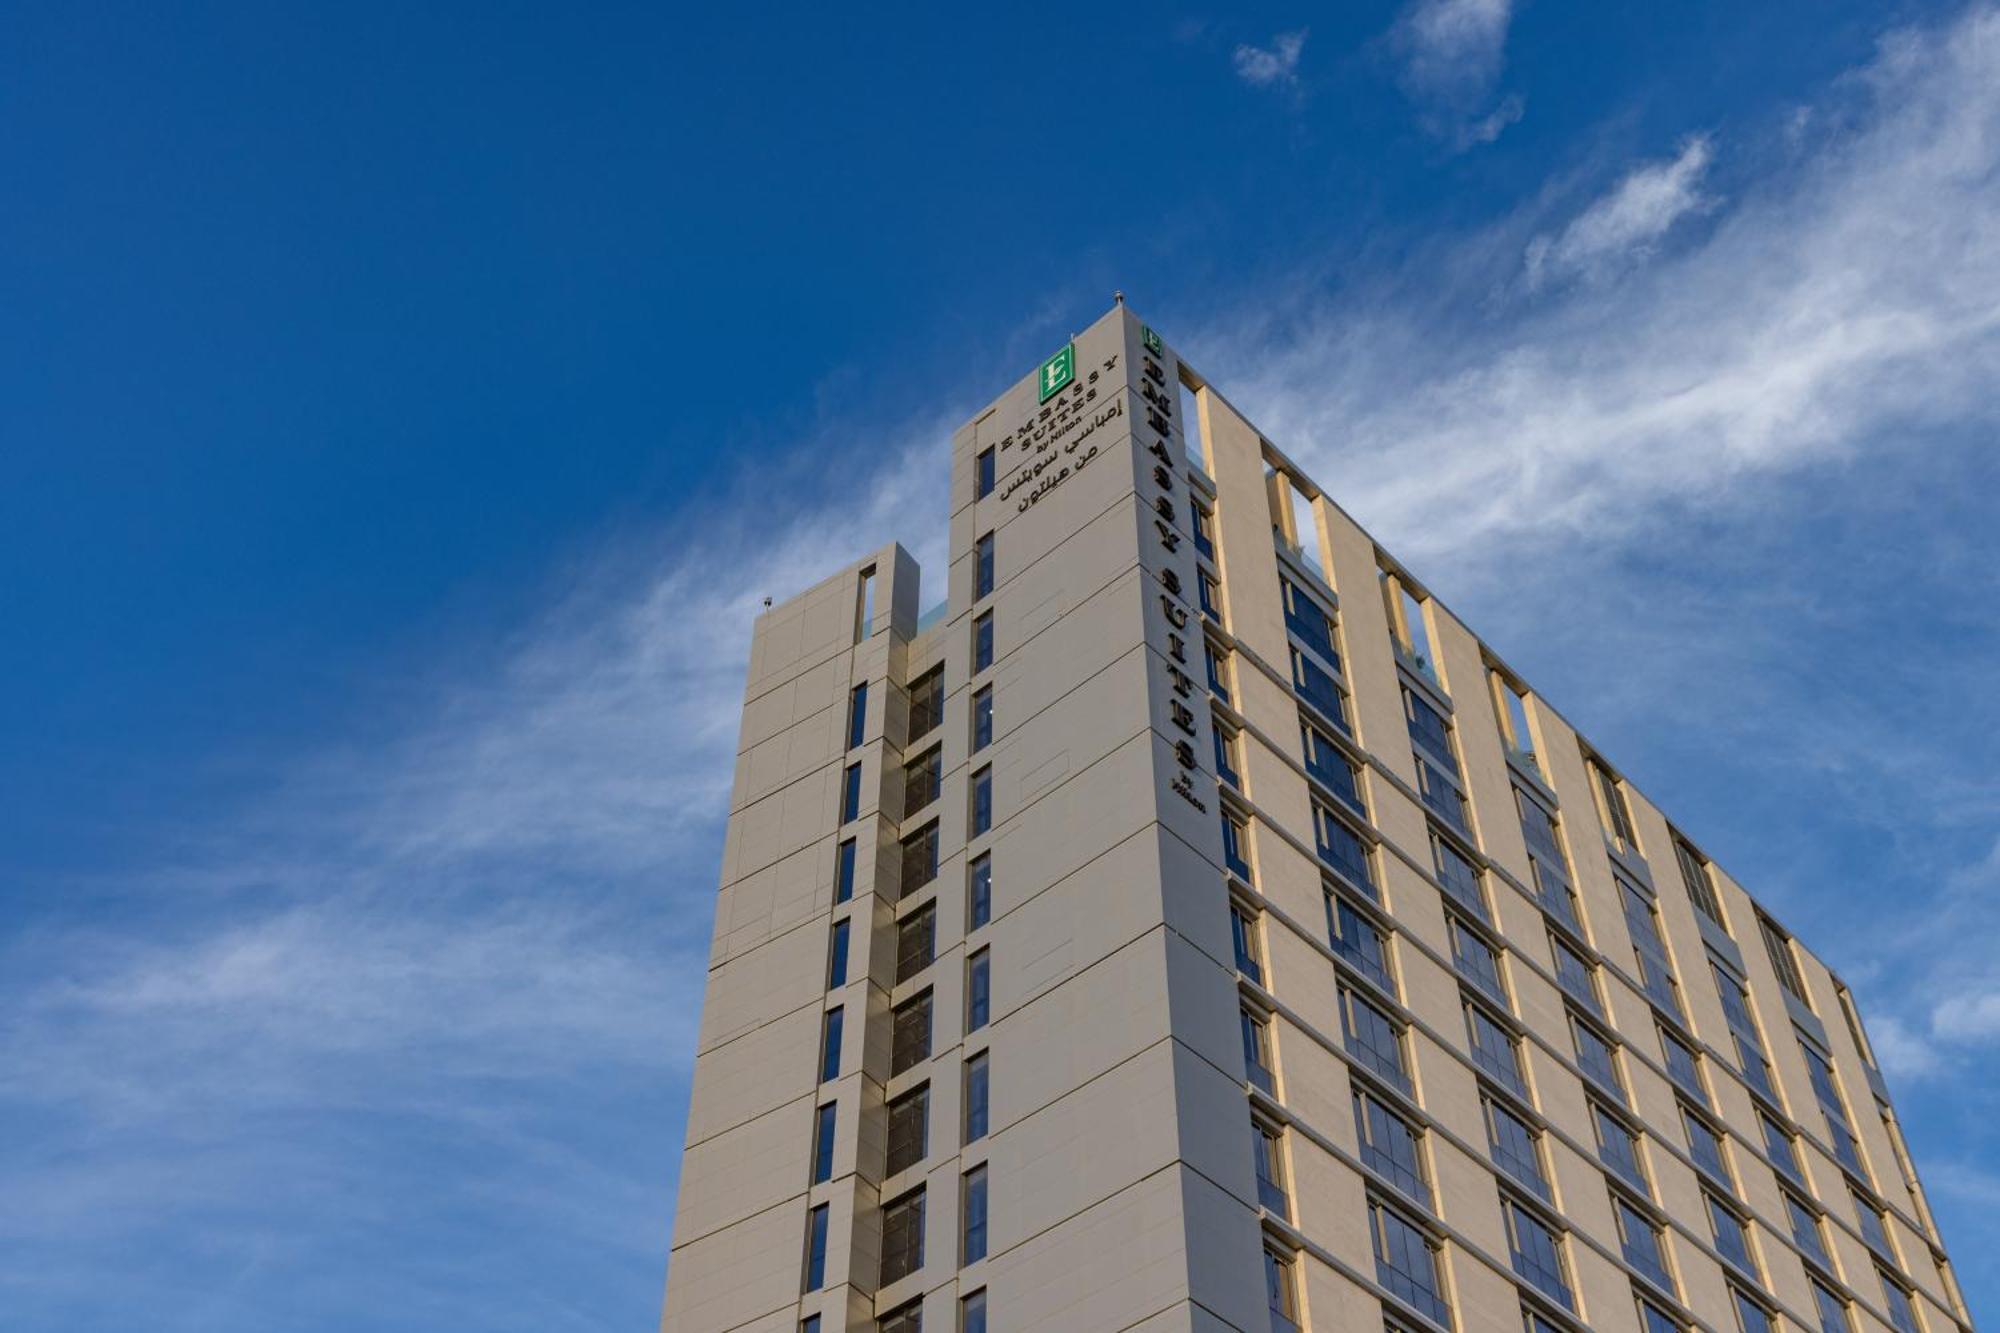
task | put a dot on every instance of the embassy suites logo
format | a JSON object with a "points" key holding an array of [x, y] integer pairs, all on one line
{"points": [[1056, 373]]}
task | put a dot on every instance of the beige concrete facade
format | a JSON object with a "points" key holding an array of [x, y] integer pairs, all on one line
{"points": [[1387, 921]]}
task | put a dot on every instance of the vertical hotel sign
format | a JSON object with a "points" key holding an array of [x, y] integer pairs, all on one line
{"points": [[1056, 373]]}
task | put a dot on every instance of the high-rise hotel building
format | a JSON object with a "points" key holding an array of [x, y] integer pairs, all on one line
{"points": [[1190, 924]]}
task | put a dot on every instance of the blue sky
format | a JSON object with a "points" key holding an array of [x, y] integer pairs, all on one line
{"points": [[398, 407]]}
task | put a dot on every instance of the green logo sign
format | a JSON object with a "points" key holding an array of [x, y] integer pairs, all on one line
{"points": [[1151, 340], [1056, 373]]}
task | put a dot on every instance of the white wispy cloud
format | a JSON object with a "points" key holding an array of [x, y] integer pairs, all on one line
{"points": [[1274, 66], [1452, 53], [1627, 222]]}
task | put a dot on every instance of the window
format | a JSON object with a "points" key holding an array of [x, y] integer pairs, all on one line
{"points": [[823, 1122], [1597, 1058], [1406, 622], [1611, 806], [982, 641], [923, 779], [976, 1089], [1618, 1147], [864, 605], [1235, 844], [982, 718], [1517, 1146], [982, 566], [1536, 1250], [1459, 877], [1732, 1237], [911, 1044], [1428, 728], [905, 1318], [903, 1236], [1268, 1146], [1318, 689], [1307, 620], [1342, 848], [1216, 660], [1510, 704], [1373, 1038], [1806, 1232], [836, 955], [1204, 531], [843, 872], [1440, 795], [1700, 889], [984, 468], [1652, 1319], [1832, 1309], [1902, 1314], [909, 1130], [1406, 1261], [1778, 1146], [1391, 1145], [920, 858], [1750, 1312], [1476, 959], [1493, 1049], [982, 802], [1853, 1017], [1682, 1066], [916, 942], [1873, 1233], [1743, 1029], [972, 1313], [1281, 1293], [972, 1228], [1705, 1146], [1326, 765], [1243, 935], [810, 1324], [850, 794], [1355, 938], [815, 1276], [926, 704], [829, 1046], [1257, 1063], [1779, 946], [1226, 761], [1576, 975], [979, 891], [857, 714], [1656, 970], [1826, 1087], [978, 990], [1209, 593], [1640, 1240]]}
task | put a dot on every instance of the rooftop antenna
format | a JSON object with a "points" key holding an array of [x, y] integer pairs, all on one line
{"points": [[767, 604], [1118, 298]]}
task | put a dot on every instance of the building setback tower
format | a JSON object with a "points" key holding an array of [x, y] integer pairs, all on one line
{"points": [[1191, 925]]}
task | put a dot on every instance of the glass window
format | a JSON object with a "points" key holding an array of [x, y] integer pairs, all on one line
{"points": [[1832, 1310], [909, 1130], [1235, 844], [1217, 662], [850, 794], [923, 779], [1536, 1250], [1750, 1312], [1355, 938], [1700, 889], [1476, 959], [829, 1046], [836, 955], [1257, 1063], [905, 1318], [978, 990], [903, 1236], [920, 858], [1652, 1319], [1428, 728], [1243, 935], [984, 468], [1617, 1146], [1576, 975], [916, 942], [1204, 531], [972, 1232], [1872, 1231], [857, 714], [810, 1324], [815, 1276], [1307, 620], [1902, 1313], [982, 718], [823, 1122], [926, 704], [1209, 593], [1806, 1232], [1406, 1261], [1493, 1049], [982, 802], [1779, 1147], [1373, 1038], [982, 566], [1597, 1058], [1641, 1243], [843, 872], [979, 891], [1330, 768], [911, 1043], [1779, 946], [1267, 1144], [1682, 1066], [1459, 877], [972, 1313], [1342, 848], [1440, 795], [1227, 765], [1517, 1147], [1319, 689], [1732, 1237], [976, 1090], [1705, 1146], [982, 641], [1611, 805], [1281, 1291], [1391, 1145]]}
